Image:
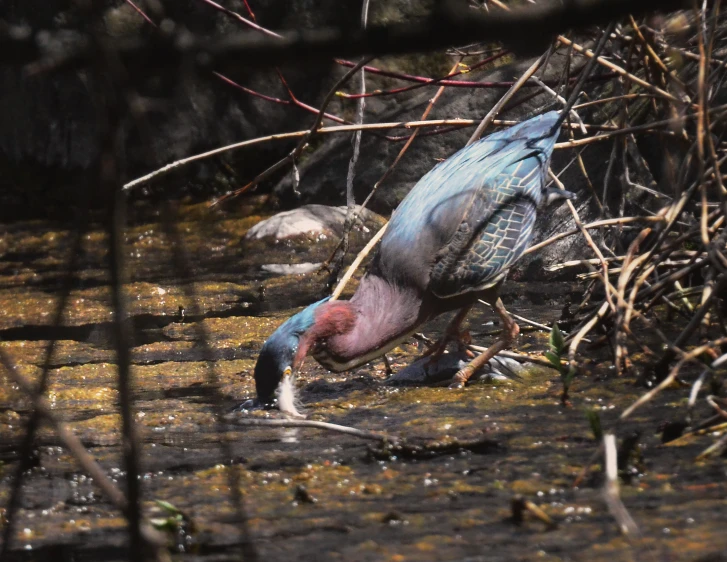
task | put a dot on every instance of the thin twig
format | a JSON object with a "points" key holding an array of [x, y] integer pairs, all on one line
{"points": [[487, 119], [342, 248], [521, 357], [523, 319], [246, 21], [357, 262], [687, 357], [626, 524], [258, 422], [292, 158], [618, 70], [590, 225], [654, 127]]}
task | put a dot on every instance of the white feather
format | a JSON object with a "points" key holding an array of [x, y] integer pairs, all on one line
{"points": [[288, 402]]}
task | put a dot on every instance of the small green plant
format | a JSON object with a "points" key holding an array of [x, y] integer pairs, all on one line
{"points": [[555, 356], [594, 420], [175, 518], [179, 525]]}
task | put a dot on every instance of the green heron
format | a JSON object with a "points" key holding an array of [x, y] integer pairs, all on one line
{"points": [[449, 243]]}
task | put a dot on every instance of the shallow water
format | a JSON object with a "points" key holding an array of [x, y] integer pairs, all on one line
{"points": [[307, 493]]}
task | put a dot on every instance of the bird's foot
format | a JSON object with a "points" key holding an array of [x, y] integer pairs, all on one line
{"points": [[510, 332], [437, 349], [464, 340], [459, 380], [463, 375]]}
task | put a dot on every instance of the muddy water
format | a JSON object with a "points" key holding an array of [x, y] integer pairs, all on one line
{"points": [[308, 494]]}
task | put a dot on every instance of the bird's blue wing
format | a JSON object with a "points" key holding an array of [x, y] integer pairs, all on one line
{"points": [[497, 224], [471, 216], [488, 242]]}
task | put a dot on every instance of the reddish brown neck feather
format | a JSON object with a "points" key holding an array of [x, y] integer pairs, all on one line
{"points": [[331, 319]]}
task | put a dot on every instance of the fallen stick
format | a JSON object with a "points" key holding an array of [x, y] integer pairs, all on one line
{"points": [[362, 433], [611, 494]]}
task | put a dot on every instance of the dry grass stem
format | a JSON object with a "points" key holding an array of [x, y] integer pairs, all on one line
{"points": [[611, 493]]}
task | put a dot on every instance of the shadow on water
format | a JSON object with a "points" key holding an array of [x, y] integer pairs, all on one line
{"points": [[146, 328]]}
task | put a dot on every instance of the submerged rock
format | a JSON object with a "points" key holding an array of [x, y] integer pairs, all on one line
{"points": [[424, 372], [308, 219]]}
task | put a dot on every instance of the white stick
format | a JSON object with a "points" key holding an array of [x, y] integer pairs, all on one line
{"points": [[611, 488], [258, 422]]}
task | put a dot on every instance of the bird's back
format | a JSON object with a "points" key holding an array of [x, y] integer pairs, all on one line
{"points": [[470, 181]]}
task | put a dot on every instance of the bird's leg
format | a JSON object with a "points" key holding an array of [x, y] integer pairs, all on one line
{"points": [[453, 331], [510, 330], [464, 339]]}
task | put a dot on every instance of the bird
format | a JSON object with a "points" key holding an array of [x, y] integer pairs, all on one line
{"points": [[450, 242]]}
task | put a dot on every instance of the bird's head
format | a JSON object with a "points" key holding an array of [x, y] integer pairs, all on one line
{"points": [[281, 354]]}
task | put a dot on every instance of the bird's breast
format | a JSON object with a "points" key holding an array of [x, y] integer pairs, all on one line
{"points": [[338, 362]]}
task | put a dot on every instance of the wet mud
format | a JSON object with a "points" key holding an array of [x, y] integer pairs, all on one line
{"points": [[302, 494]]}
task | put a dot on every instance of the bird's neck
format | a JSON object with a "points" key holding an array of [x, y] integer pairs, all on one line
{"points": [[376, 319], [332, 319]]}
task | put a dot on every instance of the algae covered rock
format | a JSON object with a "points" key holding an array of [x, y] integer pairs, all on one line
{"points": [[426, 371]]}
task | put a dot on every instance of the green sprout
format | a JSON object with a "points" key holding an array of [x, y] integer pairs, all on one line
{"points": [[178, 524], [594, 420], [555, 355], [175, 518]]}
